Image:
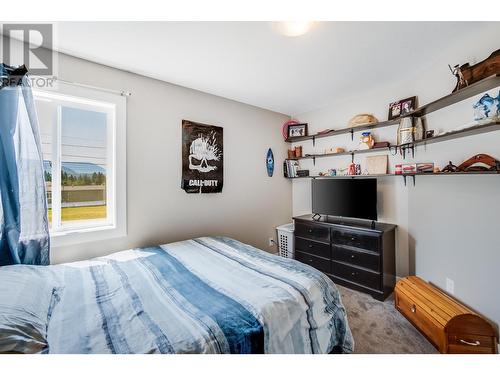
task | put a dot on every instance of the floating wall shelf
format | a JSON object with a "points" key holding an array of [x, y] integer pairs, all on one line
{"points": [[404, 176], [331, 133], [466, 132], [465, 93], [350, 153]]}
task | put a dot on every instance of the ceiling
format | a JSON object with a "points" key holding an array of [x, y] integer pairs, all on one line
{"points": [[251, 63]]}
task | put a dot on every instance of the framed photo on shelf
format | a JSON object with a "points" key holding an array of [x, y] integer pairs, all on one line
{"points": [[297, 130], [402, 107]]}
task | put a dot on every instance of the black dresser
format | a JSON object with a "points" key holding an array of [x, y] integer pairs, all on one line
{"points": [[353, 253]]}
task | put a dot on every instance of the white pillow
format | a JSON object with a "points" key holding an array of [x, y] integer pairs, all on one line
{"points": [[27, 297]]}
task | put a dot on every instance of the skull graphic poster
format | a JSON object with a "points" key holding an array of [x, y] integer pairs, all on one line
{"points": [[202, 158]]}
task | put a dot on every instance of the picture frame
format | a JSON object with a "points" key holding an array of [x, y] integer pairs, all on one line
{"points": [[402, 107], [297, 130]]}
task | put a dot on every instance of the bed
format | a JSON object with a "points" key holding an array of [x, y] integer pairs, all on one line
{"points": [[205, 295]]}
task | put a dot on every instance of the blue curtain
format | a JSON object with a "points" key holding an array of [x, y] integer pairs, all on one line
{"points": [[24, 232]]}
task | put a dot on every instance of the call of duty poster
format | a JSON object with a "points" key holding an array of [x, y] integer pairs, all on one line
{"points": [[202, 158]]}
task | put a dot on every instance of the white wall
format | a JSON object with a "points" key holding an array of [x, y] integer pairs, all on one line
{"points": [[251, 204], [447, 225]]}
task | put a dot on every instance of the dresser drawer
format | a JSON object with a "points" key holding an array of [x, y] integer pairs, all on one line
{"points": [[314, 231], [356, 275], [312, 247], [356, 258], [319, 263], [359, 239]]}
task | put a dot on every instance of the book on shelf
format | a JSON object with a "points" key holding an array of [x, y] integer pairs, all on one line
{"points": [[290, 168], [285, 169]]}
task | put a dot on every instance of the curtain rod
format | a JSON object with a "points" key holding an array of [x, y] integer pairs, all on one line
{"points": [[117, 92]]}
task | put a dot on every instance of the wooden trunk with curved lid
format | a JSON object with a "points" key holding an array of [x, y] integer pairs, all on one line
{"points": [[450, 326]]}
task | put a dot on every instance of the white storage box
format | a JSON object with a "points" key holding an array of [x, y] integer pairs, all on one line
{"points": [[285, 240]]}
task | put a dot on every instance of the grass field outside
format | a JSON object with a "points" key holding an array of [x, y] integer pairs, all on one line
{"points": [[81, 213]]}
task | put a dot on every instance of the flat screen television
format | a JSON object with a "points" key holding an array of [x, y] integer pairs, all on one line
{"points": [[352, 198]]}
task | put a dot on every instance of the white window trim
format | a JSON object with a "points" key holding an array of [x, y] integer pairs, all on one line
{"points": [[117, 225]]}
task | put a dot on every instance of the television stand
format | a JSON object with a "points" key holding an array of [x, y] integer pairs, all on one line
{"points": [[358, 254]]}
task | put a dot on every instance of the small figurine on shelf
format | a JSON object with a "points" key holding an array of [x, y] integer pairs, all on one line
{"points": [[487, 109], [332, 172], [366, 142], [450, 167]]}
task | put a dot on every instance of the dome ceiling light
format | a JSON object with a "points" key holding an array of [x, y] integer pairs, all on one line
{"points": [[292, 28]]}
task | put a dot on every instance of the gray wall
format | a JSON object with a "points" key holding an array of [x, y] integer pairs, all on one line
{"points": [[251, 204], [447, 226]]}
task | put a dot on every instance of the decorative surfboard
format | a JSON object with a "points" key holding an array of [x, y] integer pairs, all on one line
{"points": [[270, 163]]}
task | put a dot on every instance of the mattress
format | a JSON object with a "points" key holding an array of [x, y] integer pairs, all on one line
{"points": [[205, 295]]}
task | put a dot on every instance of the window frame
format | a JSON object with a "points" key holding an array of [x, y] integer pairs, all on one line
{"points": [[114, 106]]}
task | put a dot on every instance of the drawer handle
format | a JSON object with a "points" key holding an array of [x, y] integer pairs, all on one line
{"points": [[353, 256], [353, 238], [310, 230], [476, 343], [413, 309], [353, 273], [310, 246]]}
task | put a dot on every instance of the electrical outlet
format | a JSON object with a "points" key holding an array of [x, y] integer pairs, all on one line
{"points": [[272, 242], [450, 286]]}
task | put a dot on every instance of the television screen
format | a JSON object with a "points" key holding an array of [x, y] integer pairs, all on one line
{"points": [[356, 198]]}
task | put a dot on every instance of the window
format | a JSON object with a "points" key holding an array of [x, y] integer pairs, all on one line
{"points": [[83, 145]]}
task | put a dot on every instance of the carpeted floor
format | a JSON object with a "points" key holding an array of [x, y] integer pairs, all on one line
{"points": [[378, 327]]}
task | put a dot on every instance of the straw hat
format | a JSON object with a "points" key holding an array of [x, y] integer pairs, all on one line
{"points": [[362, 119]]}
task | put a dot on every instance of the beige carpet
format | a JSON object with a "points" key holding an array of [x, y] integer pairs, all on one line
{"points": [[379, 328]]}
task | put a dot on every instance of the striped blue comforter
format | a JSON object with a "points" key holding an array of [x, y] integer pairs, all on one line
{"points": [[206, 295]]}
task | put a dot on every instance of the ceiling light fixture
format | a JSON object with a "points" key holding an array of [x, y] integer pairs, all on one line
{"points": [[292, 28]]}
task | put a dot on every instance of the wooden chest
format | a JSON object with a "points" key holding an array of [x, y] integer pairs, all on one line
{"points": [[448, 325]]}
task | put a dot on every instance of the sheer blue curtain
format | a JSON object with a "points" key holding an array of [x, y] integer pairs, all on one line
{"points": [[24, 234]]}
